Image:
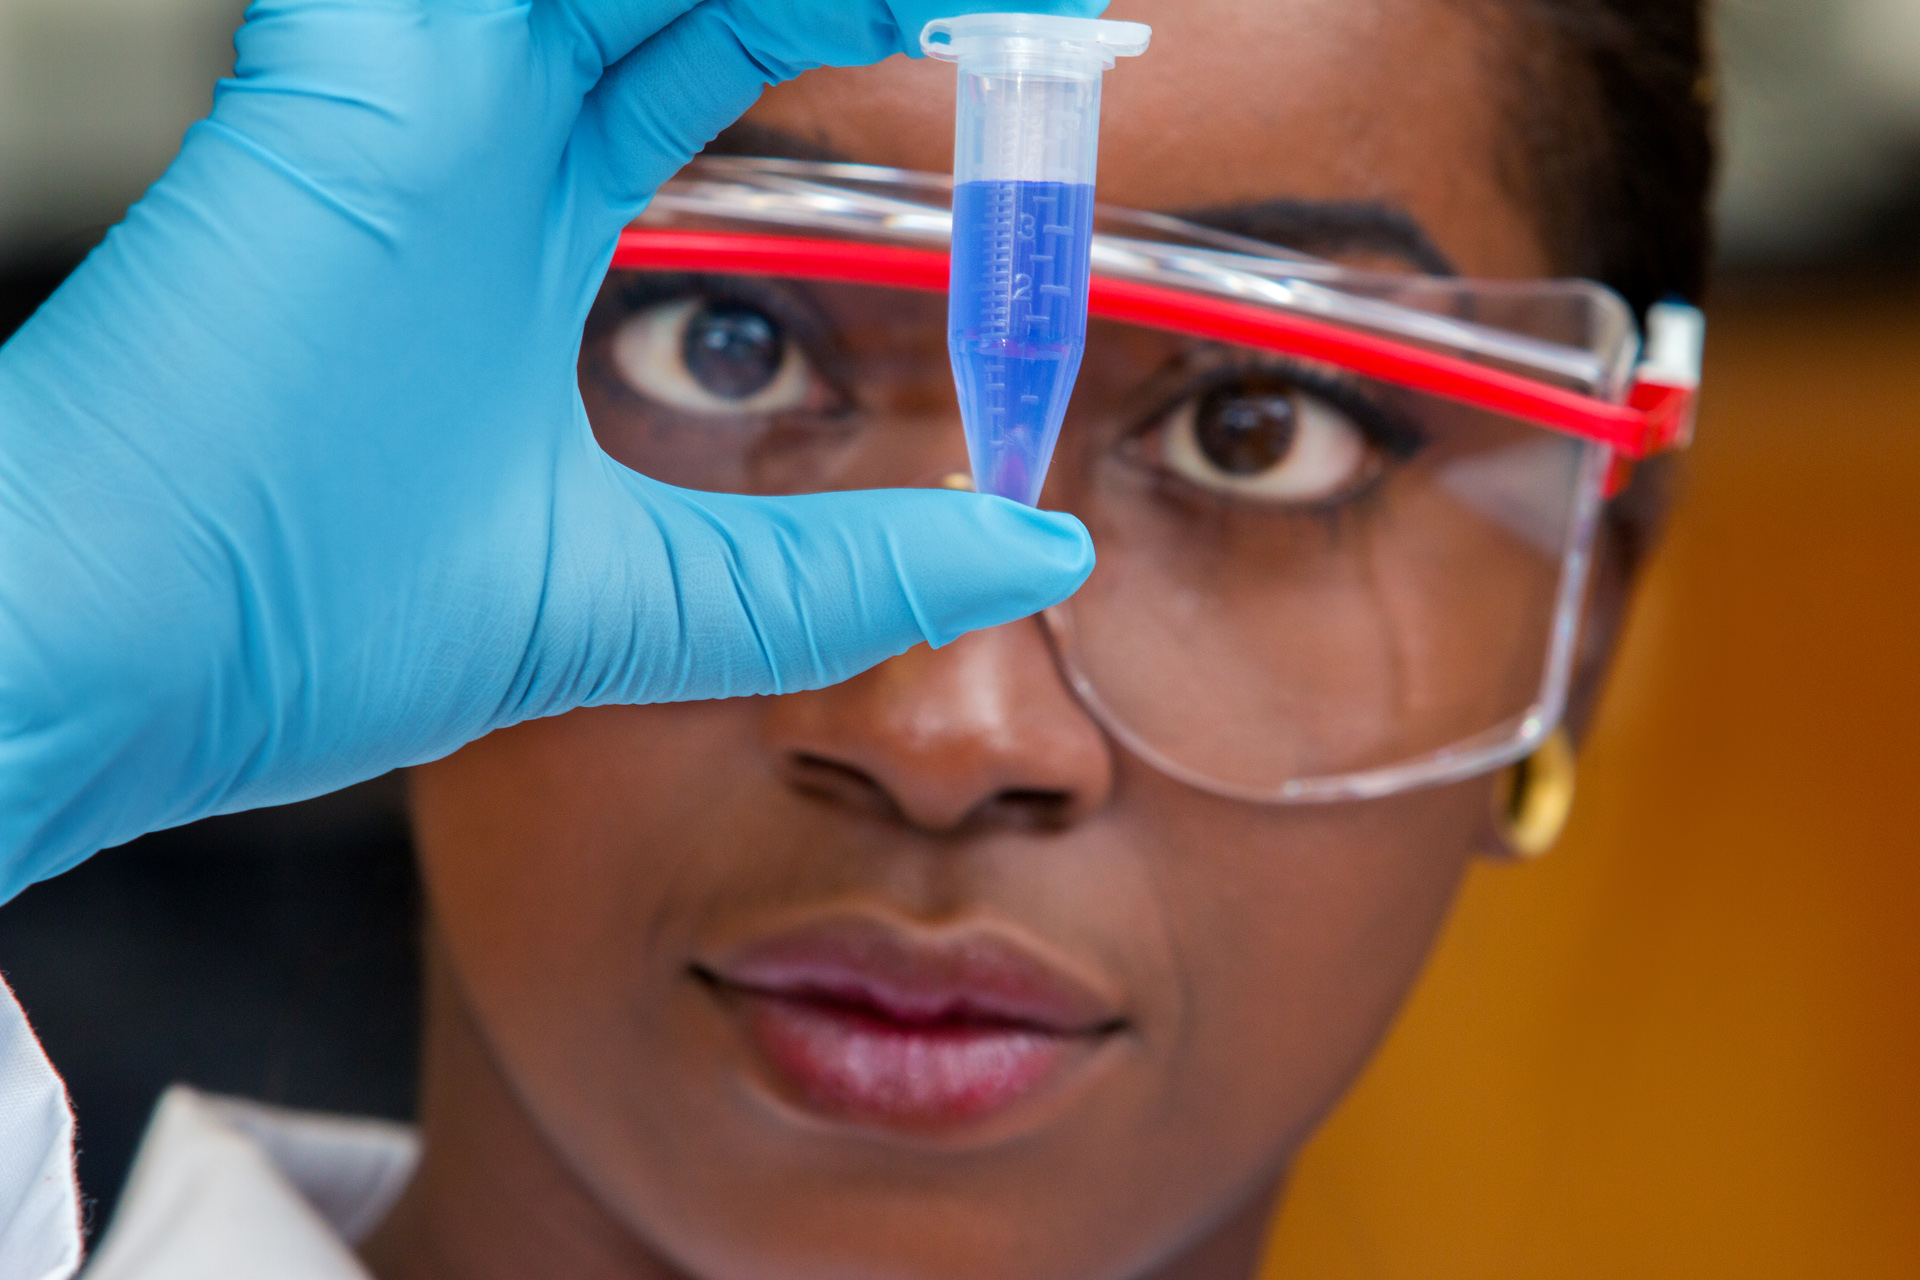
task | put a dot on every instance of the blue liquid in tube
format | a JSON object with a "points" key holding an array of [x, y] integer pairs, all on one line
{"points": [[1017, 323]]}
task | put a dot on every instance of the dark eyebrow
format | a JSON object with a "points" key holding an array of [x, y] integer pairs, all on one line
{"points": [[746, 138], [1330, 227]]}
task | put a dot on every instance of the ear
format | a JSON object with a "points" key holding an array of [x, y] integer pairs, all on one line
{"points": [[1629, 533]]}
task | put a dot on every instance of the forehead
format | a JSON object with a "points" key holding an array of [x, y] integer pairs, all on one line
{"points": [[1396, 102]]}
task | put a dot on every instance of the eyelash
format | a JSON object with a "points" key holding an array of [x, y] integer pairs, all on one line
{"points": [[1393, 432], [799, 320], [1388, 429]]}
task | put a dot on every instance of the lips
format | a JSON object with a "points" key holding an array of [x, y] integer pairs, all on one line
{"points": [[867, 1022]]}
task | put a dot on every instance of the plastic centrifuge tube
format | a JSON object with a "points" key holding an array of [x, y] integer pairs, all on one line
{"points": [[1024, 145]]}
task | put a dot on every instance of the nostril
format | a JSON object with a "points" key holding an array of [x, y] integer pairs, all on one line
{"points": [[1023, 808], [977, 736], [832, 780], [1030, 809]]}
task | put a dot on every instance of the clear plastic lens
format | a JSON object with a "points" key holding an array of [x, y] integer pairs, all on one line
{"points": [[1309, 584], [1264, 646]]}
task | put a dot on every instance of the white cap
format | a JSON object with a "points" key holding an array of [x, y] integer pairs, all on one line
{"points": [[1036, 38]]}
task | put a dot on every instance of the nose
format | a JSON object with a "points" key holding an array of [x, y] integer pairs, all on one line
{"points": [[980, 733]]}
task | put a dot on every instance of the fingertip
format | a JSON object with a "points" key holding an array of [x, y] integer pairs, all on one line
{"points": [[1021, 561], [1056, 541], [830, 583]]}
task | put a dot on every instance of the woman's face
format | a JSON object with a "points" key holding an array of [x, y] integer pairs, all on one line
{"points": [[922, 975]]}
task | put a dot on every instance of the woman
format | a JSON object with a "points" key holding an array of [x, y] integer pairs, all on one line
{"points": [[971, 965]]}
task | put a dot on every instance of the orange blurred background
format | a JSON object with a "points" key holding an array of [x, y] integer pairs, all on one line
{"points": [[1687, 1043]]}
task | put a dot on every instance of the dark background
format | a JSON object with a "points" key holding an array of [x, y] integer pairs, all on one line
{"points": [[269, 954]]}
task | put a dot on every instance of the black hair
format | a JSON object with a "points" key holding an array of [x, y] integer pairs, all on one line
{"points": [[1612, 124], [1612, 144]]}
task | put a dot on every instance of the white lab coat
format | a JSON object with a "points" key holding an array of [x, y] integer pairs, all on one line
{"points": [[39, 1197], [225, 1189], [222, 1189]]}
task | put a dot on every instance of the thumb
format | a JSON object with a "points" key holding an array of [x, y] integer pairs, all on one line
{"points": [[773, 595]]}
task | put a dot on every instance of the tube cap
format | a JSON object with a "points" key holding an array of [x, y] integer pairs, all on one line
{"points": [[1071, 40]]}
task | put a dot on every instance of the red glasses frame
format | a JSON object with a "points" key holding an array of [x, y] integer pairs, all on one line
{"points": [[1656, 417]]}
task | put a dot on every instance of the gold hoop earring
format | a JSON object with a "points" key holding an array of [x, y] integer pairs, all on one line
{"points": [[1534, 798]]}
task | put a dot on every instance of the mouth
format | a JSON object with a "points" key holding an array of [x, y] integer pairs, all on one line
{"points": [[867, 1022]]}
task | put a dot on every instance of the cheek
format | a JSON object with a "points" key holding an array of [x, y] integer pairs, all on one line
{"points": [[552, 852], [540, 842], [1297, 932]]}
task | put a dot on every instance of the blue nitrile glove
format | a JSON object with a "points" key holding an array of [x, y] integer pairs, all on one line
{"points": [[295, 481]]}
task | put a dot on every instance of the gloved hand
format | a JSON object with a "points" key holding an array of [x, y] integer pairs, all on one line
{"points": [[295, 481]]}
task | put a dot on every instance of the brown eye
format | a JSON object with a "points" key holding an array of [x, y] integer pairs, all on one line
{"points": [[732, 351], [1243, 434], [1268, 441], [711, 357]]}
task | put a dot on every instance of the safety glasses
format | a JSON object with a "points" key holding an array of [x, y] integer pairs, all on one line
{"points": [[1343, 516]]}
